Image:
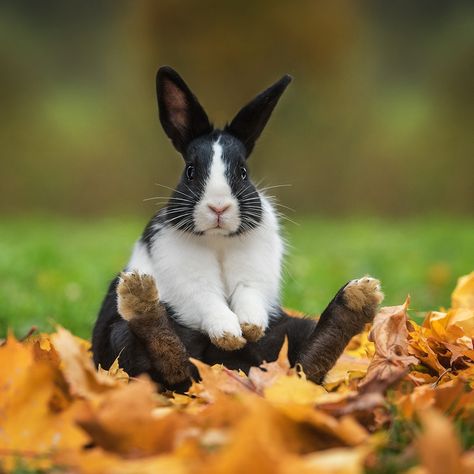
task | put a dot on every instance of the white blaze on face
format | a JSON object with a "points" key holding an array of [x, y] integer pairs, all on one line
{"points": [[218, 195]]}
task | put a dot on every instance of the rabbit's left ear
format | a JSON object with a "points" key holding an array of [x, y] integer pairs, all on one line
{"points": [[249, 123], [182, 116]]}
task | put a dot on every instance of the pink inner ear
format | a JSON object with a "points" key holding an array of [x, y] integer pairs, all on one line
{"points": [[177, 105]]}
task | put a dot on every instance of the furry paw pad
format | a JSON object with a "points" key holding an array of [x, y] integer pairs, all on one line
{"points": [[229, 342], [252, 332], [363, 295], [136, 295]]}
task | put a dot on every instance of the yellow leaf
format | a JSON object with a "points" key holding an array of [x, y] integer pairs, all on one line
{"points": [[347, 368], [31, 422], [293, 389], [463, 295], [115, 372]]}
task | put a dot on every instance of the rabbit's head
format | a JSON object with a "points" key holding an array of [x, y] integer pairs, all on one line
{"points": [[215, 194]]}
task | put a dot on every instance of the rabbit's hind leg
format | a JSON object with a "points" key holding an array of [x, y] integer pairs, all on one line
{"points": [[354, 305], [138, 302]]}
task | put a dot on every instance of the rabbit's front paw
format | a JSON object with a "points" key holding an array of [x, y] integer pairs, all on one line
{"points": [[253, 320], [227, 335], [137, 295], [363, 296], [252, 332]]}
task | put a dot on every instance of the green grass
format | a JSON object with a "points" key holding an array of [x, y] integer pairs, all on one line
{"points": [[56, 270]]}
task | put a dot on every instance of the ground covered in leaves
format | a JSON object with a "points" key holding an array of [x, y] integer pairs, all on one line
{"points": [[400, 399]]}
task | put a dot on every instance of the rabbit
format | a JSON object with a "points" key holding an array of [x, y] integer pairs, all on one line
{"points": [[215, 250], [204, 278]]}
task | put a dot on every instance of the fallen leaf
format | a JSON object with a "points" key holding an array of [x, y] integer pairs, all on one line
{"points": [[293, 389], [265, 375], [463, 294], [31, 424], [124, 421], [438, 446], [77, 366], [390, 336]]}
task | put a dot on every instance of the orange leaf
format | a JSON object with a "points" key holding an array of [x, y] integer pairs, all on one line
{"points": [[439, 447], [77, 366]]}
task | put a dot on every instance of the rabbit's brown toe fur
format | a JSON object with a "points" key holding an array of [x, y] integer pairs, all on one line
{"points": [[137, 295], [363, 295], [229, 342], [252, 332]]}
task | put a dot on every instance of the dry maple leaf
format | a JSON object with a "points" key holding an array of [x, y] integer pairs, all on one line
{"points": [[217, 380], [265, 375], [444, 342], [390, 336]]}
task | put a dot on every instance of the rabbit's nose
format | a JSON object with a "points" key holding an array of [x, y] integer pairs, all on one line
{"points": [[218, 210]]}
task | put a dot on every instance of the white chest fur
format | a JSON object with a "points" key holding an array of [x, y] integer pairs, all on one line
{"points": [[216, 283]]}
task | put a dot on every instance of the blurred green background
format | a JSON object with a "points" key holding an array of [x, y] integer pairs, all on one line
{"points": [[374, 135]]}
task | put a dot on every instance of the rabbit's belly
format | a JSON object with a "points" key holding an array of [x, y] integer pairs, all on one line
{"points": [[217, 284]]}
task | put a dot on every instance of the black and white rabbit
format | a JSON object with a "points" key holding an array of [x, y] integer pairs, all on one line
{"points": [[215, 249], [215, 254]]}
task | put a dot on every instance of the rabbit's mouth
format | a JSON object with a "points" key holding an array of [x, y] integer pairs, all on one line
{"points": [[221, 227], [220, 217]]}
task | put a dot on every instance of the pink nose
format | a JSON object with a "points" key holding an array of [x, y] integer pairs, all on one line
{"points": [[218, 210]]}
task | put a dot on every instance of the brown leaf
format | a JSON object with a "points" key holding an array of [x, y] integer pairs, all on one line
{"points": [[217, 380], [265, 375], [390, 336]]}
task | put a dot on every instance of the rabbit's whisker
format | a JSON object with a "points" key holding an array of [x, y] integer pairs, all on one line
{"points": [[275, 186], [174, 190], [170, 198]]}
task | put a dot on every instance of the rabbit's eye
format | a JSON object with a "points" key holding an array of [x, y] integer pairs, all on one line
{"points": [[243, 173], [190, 172]]}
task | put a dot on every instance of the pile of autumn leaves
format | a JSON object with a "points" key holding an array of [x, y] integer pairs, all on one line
{"points": [[59, 414]]}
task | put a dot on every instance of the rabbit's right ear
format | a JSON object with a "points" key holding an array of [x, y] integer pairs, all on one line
{"points": [[249, 123], [181, 115]]}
